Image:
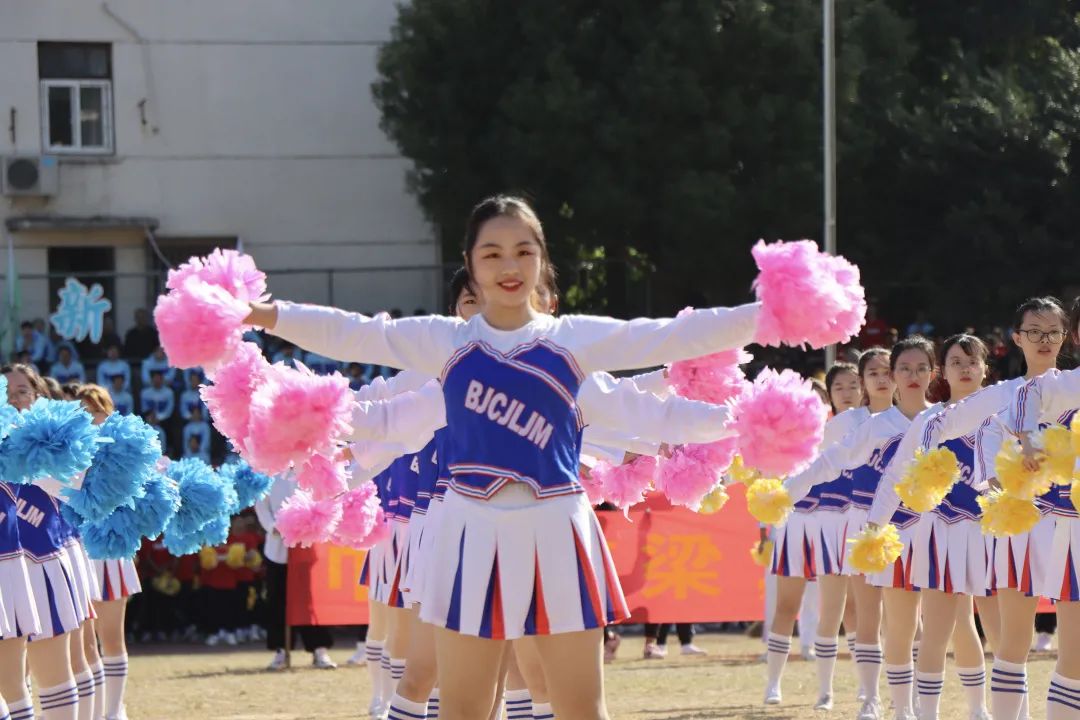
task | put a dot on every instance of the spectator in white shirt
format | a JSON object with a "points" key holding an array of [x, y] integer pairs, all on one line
{"points": [[122, 400], [197, 428], [113, 366], [33, 342], [190, 398], [157, 362], [66, 369], [157, 398]]}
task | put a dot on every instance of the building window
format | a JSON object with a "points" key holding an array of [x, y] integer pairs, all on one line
{"points": [[76, 97]]}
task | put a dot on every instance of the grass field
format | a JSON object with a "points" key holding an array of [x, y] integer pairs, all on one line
{"points": [[189, 683]]}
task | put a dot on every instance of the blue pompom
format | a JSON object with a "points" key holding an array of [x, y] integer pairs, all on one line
{"points": [[214, 532], [54, 438], [120, 468], [251, 486], [203, 496], [69, 515], [156, 508], [114, 537]]}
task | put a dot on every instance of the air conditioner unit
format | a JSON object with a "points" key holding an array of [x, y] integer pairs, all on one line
{"points": [[30, 175]]}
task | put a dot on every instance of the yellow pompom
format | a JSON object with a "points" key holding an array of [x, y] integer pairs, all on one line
{"points": [[234, 556], [768, 501], [1060, 460], [928, 479], [875, 549], [1074, 493], [1005, 514], [762, 553], [740, 473], [714, 501], [1074, 428], [208, 558], [254, 560], [166, 584], [1014, 478]]}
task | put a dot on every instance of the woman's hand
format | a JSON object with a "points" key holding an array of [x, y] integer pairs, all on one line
{"points": [[1032, 455], [262, 315]]}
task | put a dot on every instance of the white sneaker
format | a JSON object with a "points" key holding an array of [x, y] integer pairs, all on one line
{"points": [[1044, 642], [359, 657], [904, 715], [981, 714], [375, 707], [773, 696], [870, 710], [230, 638], [808, 652], [693, 649], [322, 660], [824, 702], [279, 662]]}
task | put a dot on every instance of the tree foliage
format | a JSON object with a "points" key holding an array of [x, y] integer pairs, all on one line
{"points": [[660, 138]]}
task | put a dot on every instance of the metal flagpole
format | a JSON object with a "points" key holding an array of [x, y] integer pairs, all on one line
{"points": [[828, 51]]}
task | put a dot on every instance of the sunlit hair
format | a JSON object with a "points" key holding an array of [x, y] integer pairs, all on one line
{"points": [[96, 399]]}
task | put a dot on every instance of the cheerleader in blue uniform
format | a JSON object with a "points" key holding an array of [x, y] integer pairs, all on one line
{"points": [[519, 549], [18, 611], [866, 451], [60, 593], [947, 550]]}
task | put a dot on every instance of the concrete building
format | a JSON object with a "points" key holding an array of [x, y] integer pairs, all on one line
{"points": [[158, 129]]}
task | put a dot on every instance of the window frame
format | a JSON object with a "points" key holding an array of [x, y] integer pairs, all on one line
{"points": [[77, 147]]}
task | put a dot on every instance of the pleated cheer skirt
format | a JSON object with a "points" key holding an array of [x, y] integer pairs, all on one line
{"points": [[412, 560], [950, 557], [515, 566], [830, 542], [421, 553], [1020, 562], [117, 579], [794, 549], [399, 545], [18, 611], [899, 575], [854, 520], [62, 594], [87, 585], [1061, 575]]}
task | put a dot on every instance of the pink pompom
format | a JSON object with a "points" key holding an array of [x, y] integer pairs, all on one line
{"points": [[361, 515], [200, 325], [294, 415], [625, 485], [594, 489], [807, 297], [693, 471], [304, 521], [714, 378], [381, 533], [780, 422], [323, 477], [233, 272], [229, 398]]}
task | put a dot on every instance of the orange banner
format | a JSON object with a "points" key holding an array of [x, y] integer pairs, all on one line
{"points": [[324, 586], [674, 565], [678, 566]]}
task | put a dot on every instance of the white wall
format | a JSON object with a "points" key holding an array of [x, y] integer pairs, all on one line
{"points": [[260, 125]]}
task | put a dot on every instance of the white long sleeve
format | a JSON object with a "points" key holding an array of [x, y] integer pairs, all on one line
{"points": [[383, 388], [1043, 399], [370, 457], [596, 343], [617, 404], [409, 419], [852, 451], [265, 514], [655, 382], [886, 501], [988, 441], [613, 441]]}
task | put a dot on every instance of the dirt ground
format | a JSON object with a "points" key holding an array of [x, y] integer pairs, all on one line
{"points": [[189, 683]]}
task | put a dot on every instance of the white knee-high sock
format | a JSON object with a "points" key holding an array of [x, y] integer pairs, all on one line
{"points": [[397, 671], [850, 644], [930, 685], [1025, 711], [915, 652], [386, 680], [825, 649], [373, 658], [868, 661], [542, 711], [84, 683], [21, 709], [779, 649], [99, 689], [116, 674], [973, 680], [518, 705], [60, 702], [1008, 690], [1063, 698], [433, 705], [402, 709], [4, 714], [901, 678]]}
